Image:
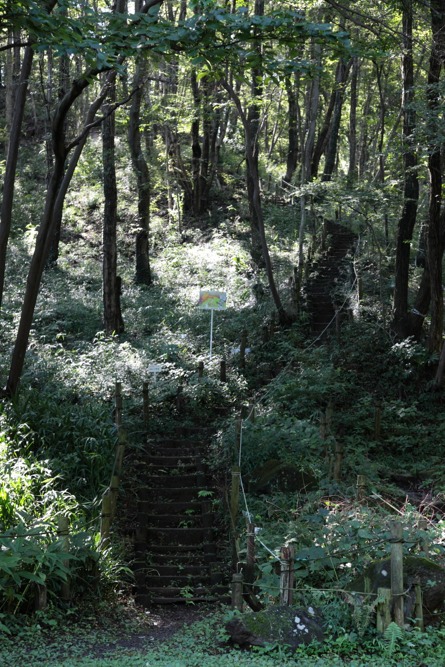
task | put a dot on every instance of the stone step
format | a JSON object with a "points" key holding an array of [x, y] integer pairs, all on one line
{"points": [[154, 506], [175, 594], [178, 536], [177, 520], [164, 495], [177, 481], [172, 461]]}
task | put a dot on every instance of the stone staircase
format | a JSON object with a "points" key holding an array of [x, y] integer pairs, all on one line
{"points": [[180, 539], [326, 277]]}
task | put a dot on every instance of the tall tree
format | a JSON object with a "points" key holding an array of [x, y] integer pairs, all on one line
{"points": [[411, 182], [141, 170]]}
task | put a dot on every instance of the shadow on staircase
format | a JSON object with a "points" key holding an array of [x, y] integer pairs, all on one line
{"points": [[328, 276], [180, 541]]}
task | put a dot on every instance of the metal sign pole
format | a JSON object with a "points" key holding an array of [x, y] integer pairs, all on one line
{"points": [[211, 332]]}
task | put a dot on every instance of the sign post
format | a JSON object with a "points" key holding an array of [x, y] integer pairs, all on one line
{"points": [[155, 369], [212, 300]]}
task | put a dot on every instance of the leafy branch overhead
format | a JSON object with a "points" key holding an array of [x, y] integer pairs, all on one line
{"points": [[213, 37]]}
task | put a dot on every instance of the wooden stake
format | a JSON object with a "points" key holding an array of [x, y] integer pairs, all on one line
{"points": [[234, 495], [397, 572], [361, 488], [418, 606], [41, 597], [63, 533], [105, 519], [377, 420], [287, 575], [223, 371], [118, 405], [114, 490], [338, 461], [242, 349], [237, 591], [383, 618], [146, 405]]}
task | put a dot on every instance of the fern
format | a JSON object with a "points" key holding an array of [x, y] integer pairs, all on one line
{"points": [[392, 635]]}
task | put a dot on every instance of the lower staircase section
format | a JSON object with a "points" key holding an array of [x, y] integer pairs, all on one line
{"points": [[178, 553], [327, 279]]}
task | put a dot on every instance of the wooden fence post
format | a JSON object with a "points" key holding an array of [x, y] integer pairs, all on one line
{"points": [[146, 405], [338, 458], [180, 398], [361, 488], [40, 597], [118, 405], [422, 525], [234, 495], [418, 605], [287, 575], [242, 349], [397, 572], [238, 430], [105, 518], [237, 591], [377, 419], [383, 611], [63, 533], [223, 371]]}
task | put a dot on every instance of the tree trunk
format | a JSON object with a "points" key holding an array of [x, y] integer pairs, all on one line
{"points": [[11, 162], [113, 322], [45, 234], [140, 167], [292, 129], [407, 221], [435, 238], [254, 194], [352, 135], [252, 170], [331, 151]]}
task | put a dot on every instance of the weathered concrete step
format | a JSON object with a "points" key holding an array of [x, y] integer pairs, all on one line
{"points": [[199, 580], [183, 507], [156, 595], [171, 570], [164, 495], [177, 520], [176, 481], [177, 536], [170, 461], [190, 554], [173, 444]]}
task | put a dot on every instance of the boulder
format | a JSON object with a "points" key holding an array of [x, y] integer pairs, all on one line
{"points": [[278, 625], [428, 573]]}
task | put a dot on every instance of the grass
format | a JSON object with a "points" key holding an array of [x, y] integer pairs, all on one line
{"points": [[130, 639]]}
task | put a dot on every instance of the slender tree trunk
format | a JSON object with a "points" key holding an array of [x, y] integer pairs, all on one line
{"points": [[382, 128], [352, 135], [292, 128], [44, 236], [11, 162], [113, 322], [435, 238], [411, 186], [331, 151], [254, 194], [253, 135], [47, 224], [140, 167]]}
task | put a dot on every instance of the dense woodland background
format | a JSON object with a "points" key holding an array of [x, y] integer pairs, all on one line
{"points": [[152, 149]]}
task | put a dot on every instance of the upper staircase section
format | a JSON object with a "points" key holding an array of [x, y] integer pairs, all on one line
{"points": [[327, 277]]}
